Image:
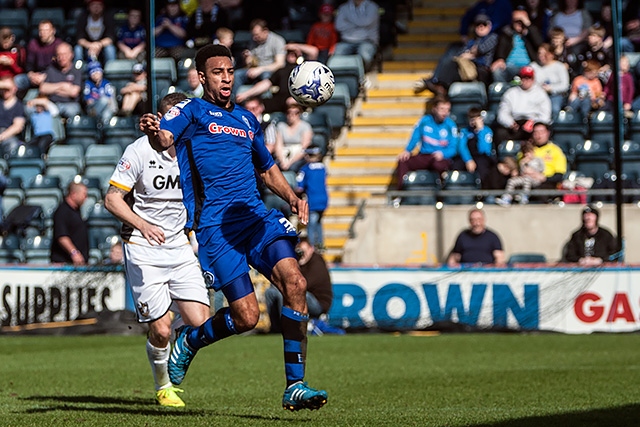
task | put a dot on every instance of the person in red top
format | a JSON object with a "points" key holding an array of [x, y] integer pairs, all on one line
{"points": [[322, 37], [12, 59], [627, 84]]}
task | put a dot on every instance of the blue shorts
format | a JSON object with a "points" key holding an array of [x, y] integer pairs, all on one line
{"points": [[226, 251]]}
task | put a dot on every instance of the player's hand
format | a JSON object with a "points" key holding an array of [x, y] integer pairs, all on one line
{"points": [[300, 208], [149, 124], [153, 234]]}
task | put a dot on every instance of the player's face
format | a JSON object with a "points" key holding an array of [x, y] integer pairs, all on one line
{"points": [[217, 80]]}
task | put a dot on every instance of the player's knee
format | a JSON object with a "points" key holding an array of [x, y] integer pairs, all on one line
{"points": [[159, 335], [295, 285], [247, 320]]}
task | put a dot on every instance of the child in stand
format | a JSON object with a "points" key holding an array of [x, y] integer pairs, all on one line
{"points": [[312, 181], [531, 175], [322, 37], [586, 90], [99, 94], [627, 84], [42, 113]]}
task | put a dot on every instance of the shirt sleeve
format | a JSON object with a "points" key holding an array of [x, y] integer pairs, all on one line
{"points": [[127, 171], [178, 119], [261, 156]]}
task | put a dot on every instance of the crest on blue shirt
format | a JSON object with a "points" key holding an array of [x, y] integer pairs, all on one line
{"points": [[172, 113]]}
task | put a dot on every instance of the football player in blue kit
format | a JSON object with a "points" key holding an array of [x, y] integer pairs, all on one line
{"points": [[218, 146]]}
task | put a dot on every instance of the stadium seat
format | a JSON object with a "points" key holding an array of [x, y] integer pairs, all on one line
{"points": [[527, 257], [10, 252], [37, 250], [320, 123], [83, 126], [64, 155], [601, 127], [120, 127], [65, 173], [634, 126], [17, 20], [24, 152], [99, 233], [119, 69], [102, 154], [460, 180], [242, 39], [99, 216], [608, 180], [11, 198], [102, 173], [630, 153], [348, 69], [4, 166], [165, 69], [421, 180], [183, 68], [336, 108], [508, 148], [593, 158], [569, 130], [495, 94], [464, 95], [25, 169]]}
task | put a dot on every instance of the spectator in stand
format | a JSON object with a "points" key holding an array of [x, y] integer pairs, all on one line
{"points": [[319, 290], [606, 22], [99, 94], [531, 175], [477, 244], [475, 149], [171, 31], [627, 84], [539, 14], [134, 93], [631, 23], [587, 93], [358, 23], [595, 49], [555, 162], [517, 46], [520, 107], [63, 81], [552, 76], [204, 23], [591, 245], [575, 20], [70, 243], [322, 37], [255, 105], [12, 116], [224, 36], [193, 81], [506, 168], [312, 181], [557, 40], [42, 114], [498, 11], [96, 34], [266, 55], [437, 135], [132, 37], [479, 50], [41, 52], [13, 59], [277, 84], [293, 137]]}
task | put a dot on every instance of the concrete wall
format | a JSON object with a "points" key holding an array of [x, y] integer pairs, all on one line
{"points": [[410, 235]]}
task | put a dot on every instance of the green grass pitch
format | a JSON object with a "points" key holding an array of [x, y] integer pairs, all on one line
{"points": [[372, 379]]}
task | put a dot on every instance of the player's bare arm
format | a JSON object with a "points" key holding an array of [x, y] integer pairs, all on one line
{"points": [[115, 203], [277, 183]]}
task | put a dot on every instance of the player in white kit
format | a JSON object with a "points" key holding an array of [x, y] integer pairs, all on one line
{"points": [[160, 266]]}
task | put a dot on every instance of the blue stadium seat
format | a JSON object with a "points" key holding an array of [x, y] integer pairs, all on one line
{"points": [[630, 153], [421, 180], [83, 126], [17, 20], [508, 148], [53, 14], [10, 252], [348, 69], [527, 257], [464, 95], [593, 158], [460, 180], [569, 130], [101, 154], [634, 125], [65, 155], [37, 249], [601, 127], [495, 94]]}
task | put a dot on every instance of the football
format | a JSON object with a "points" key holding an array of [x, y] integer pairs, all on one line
{"points": [[311, 83]]}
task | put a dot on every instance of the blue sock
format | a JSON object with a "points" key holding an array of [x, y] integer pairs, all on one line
{"points": [[294, 335], [215, 328]]}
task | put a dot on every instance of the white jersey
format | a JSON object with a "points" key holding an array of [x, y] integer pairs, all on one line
{"points": [[156, 197]]}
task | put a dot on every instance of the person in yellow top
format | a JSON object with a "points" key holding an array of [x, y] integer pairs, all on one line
{"points": [[189, 6], [555, 162]]}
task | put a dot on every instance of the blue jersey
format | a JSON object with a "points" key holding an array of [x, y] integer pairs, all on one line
{"points": [[484, 142], [213, 145], [434, 136], [93, 92], [312, 179]]}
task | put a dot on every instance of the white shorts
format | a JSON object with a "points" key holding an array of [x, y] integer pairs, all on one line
{"points": [[157, 277]]}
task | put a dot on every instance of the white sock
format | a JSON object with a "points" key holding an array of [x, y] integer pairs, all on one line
{"points": [[159, 359]]}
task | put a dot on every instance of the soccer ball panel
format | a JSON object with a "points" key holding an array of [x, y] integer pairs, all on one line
{"points": [[311, 83]]}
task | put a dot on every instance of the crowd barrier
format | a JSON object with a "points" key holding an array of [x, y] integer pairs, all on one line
{"points": [[560, 299]]}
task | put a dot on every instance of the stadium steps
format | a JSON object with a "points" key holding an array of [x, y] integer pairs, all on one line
{"points": [[364, 156]]}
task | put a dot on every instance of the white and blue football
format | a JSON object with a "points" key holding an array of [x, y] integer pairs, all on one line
{"points": [[311, 83]]}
